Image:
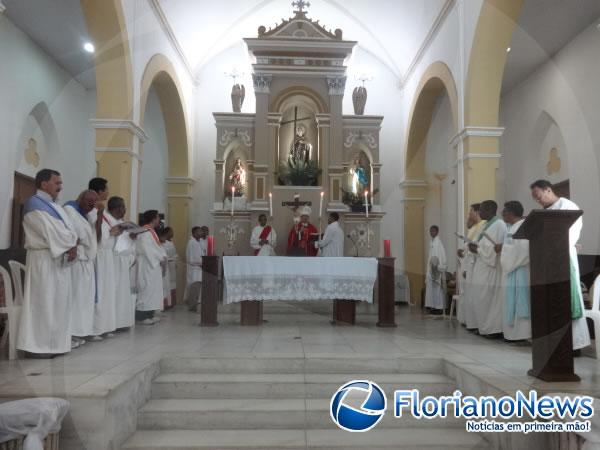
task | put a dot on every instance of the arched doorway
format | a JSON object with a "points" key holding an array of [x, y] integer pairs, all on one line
{"points": [[160, 78], [436, 82]]}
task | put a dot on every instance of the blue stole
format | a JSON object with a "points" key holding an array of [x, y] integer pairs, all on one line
{"points": [[37, 203], [517, 295], [77, 208]]}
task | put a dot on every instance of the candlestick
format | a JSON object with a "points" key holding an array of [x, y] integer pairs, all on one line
{"points": [[270, 204], [387, 248], [232, 198], [367, 203], [321, 206], [210, 245]]}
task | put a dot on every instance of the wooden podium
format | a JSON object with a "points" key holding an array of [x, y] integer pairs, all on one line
{"points": [[386, 285], [210, 291], [548, 235]]}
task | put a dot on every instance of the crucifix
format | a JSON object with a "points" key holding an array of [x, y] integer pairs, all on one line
{"points": [[301, 4], [300, 149], [296, 120], [296, 203]]}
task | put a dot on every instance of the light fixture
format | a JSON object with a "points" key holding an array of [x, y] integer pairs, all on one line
{"points": [[89, 47], [508, 49]]}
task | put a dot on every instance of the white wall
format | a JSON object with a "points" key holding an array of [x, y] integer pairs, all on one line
{"points": [[155, 160], [441, 201], [557, 106], [30, 78]]}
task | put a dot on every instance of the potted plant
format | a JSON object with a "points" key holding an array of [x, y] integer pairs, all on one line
{"points": [[356, 202], [299, 173]]}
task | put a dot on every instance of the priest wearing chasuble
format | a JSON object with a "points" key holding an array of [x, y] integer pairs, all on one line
{"points": [[302, 236]]}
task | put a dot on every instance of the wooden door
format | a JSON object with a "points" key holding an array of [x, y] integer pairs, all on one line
{"points": [[24, 188]]}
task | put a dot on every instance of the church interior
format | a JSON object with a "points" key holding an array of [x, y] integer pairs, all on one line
{"points": [[393, 116]]}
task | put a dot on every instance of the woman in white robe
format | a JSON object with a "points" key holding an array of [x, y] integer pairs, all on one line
{"points": [[151, 258]]}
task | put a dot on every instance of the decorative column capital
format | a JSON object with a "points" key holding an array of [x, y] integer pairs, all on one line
{"points": [[118, 124], [262, 83], [476, 132], [336, 85]]}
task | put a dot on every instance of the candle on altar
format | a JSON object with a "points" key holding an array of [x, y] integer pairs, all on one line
{"points": [[210, 245], [321, 206], [270, 204], [232, 199], [387, 248], [367, 203]]}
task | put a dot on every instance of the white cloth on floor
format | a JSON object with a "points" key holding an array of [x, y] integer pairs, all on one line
{"points": [[45, 315], [332, 244], [298, 278], [83, 277], [581, 334], [32, 417], [486, 287], [514, 257], [435, 292]]}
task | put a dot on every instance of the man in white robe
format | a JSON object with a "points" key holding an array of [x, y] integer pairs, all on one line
{"points": [[162, 236], [196, 249], [124, 258], [514, 259], [332, 243], [465, 310], [542, 192], [435, 291], [263, 239], [172, 259], [51, 245], [151, 264], [485, 291], [83, 278]]}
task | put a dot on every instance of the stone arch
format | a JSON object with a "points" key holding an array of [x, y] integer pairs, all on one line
{"points": [[435, 81], [299, 91], [160, 75]]}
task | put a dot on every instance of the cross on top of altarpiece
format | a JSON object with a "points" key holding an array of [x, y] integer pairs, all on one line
{"points": [[300, 4]]}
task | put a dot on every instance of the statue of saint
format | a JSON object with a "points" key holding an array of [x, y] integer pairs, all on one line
{"points": [[359, 181], [237, 177], [301, 149]]}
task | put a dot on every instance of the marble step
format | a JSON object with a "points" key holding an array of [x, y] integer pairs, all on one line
{"points": [[285, 385], [249, 414], [194, 364], [378, 438]]}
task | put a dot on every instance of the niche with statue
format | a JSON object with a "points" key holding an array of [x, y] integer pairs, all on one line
{"points": [[358, 182]]}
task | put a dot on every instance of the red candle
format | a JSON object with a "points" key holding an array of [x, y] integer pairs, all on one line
{"points": [[210, 245], [387, 248]]}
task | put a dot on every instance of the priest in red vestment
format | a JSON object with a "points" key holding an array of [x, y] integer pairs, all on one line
{"points": [[303, 236]]}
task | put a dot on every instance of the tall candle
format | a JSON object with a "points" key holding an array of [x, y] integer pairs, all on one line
{"points": [[232, 198], [367, 203], [387, 248], [321, 206], [270, 204], [210, 245]]}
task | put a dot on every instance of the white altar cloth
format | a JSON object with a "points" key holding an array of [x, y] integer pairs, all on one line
{"points": [[298, 278]]}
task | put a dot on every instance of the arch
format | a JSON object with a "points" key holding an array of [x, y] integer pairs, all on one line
{"points": [[160, 75], [435, 81], [108, 31], [497, 21], [278, 104]]}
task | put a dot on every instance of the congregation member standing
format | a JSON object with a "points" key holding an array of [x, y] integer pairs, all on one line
{"points": [[51, 246]]}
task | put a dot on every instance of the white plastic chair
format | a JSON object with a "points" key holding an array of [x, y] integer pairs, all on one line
{"points": [[12, 309], [594, 313]]}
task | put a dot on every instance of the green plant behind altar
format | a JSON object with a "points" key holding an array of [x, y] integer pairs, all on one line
{"points": [[356, 202], [299, 173]]}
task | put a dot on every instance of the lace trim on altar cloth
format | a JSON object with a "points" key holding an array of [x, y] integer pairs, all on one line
{"points": [[295, 288]]}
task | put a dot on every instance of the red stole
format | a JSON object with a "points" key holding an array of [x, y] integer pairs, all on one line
{"points": [[263, 235], [153, 233]]}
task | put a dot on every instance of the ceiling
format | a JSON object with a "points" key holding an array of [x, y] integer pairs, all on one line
{"points": [[545, 27], [59, 28], [391, 30]]}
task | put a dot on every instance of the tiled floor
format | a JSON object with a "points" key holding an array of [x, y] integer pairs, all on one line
{"points": [[292, 329]]}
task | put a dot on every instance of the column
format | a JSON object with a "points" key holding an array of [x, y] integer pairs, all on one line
{"points": [[117, 157], [414, 236]]}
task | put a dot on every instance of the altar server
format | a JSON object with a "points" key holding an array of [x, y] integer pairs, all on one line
{"points": [[195, 250], [172, 259], [264, 238], [435, 292], [542, 192], [83, 278], [332, 243], [51, 245]]}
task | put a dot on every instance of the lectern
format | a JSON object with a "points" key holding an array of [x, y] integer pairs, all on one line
{"points": [[210, 291], [548, 235]]}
